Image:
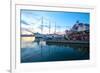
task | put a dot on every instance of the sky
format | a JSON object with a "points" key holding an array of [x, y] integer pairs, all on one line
{"points": [[32, 20]]}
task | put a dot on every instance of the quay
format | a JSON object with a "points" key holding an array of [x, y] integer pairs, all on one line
{"points": [[67, 41]]}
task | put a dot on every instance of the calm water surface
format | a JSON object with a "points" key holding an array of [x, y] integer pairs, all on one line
{"points": [[42, 52]]}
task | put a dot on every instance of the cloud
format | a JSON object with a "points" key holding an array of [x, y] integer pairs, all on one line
{"points": [[24, 22]]}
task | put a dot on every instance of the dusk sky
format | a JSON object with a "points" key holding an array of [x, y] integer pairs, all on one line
{"points": [[32, 19]]}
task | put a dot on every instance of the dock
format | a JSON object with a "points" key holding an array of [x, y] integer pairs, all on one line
{"points": [[67, 41]]}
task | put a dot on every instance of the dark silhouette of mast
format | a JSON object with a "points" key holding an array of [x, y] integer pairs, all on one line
{"points": [[49, 26], [42, 24], [55, 28]]}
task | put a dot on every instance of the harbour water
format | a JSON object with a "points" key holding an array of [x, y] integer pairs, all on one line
{"points": [[42, 52]]}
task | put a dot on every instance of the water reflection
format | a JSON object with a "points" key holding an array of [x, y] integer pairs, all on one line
{"points": [[41, 51]]}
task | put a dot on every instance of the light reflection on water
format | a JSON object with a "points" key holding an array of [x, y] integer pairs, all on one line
{"points": [[41, 52]]}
